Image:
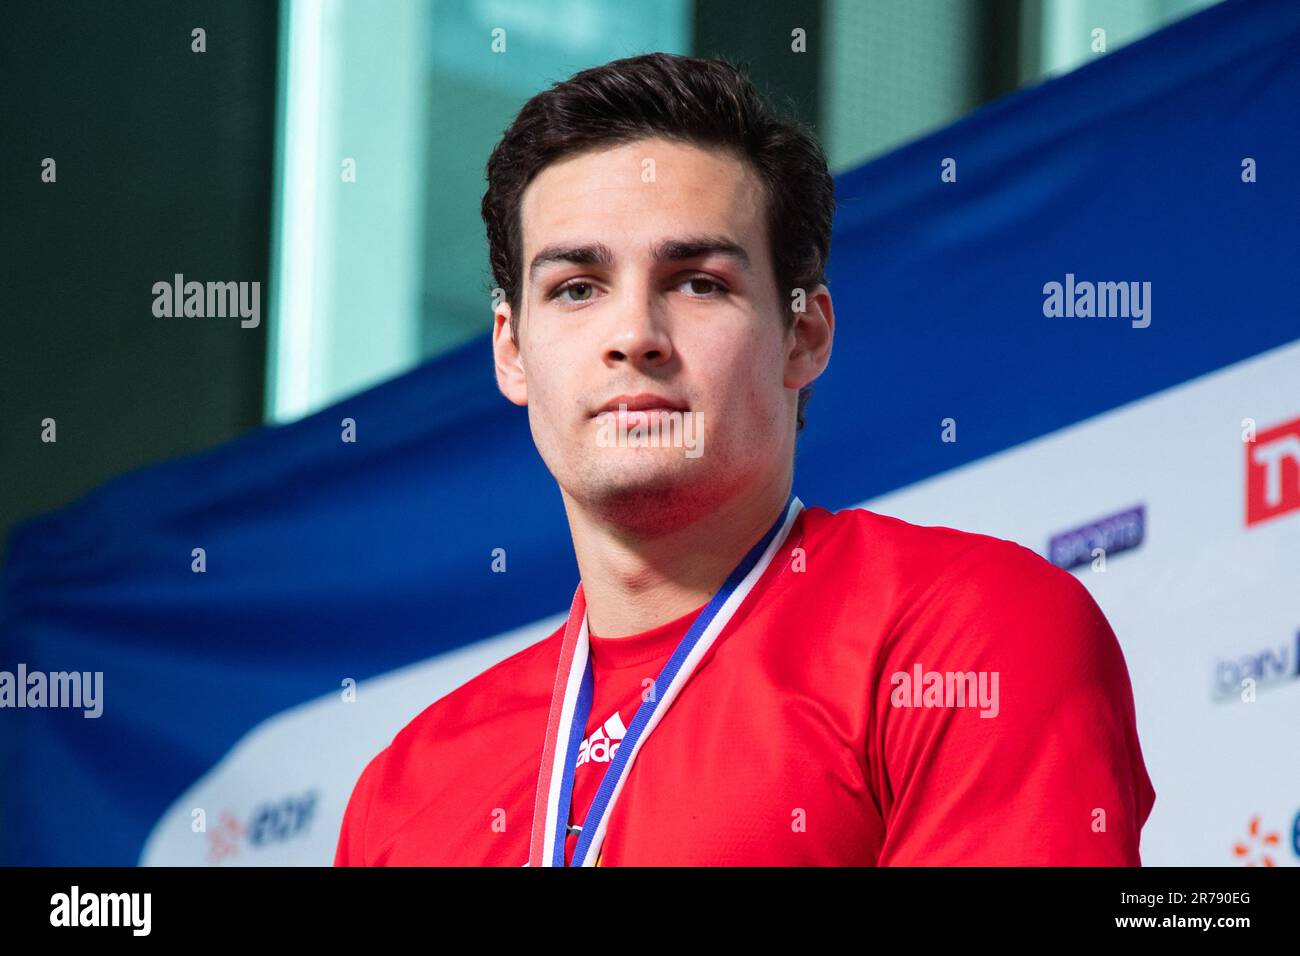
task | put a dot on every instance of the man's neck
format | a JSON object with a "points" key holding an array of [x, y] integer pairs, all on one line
{"points": [[635, 579]]}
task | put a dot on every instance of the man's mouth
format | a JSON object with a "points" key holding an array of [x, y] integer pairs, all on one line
{"points": [[643, 407]]}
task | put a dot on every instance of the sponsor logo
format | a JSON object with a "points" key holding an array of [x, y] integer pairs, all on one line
{"points": [[603, 743], [270, 823], [1273, 472], [1265, 847], [1269, 667], [1107, 536]]}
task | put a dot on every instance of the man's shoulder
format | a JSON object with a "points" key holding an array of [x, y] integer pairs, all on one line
{"points": [[919, 561], [881, 537], [512, 687], [488, 713], [462, 742]]}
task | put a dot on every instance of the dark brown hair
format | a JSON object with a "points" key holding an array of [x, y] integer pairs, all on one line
{"points": [[700, 101]]}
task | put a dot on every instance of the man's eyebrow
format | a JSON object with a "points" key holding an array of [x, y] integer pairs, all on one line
{"points": [[696, 247], [667, 250], [587, 254]]}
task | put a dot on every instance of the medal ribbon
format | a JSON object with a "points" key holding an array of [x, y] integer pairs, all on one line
{"points": [[571, 697]]}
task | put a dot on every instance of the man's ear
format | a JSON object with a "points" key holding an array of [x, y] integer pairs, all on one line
{"points": [[811, 337], [509, 363]]}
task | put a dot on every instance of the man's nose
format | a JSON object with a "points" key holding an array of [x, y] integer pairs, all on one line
{"points": [[638, 332]]}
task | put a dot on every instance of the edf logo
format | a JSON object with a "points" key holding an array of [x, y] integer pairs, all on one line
{"points": [[1273, 472]]}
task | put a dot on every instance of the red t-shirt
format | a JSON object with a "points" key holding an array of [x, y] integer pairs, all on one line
{"points": [[889, 694]]}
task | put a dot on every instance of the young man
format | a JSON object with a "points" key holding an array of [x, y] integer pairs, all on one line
{"points": [[741, 680]]}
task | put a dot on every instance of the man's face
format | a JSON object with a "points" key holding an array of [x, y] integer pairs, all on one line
{"points": [[646, 270]]}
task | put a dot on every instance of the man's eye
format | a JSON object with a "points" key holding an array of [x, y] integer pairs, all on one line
{"points": [[711, 287], [585, 287]]}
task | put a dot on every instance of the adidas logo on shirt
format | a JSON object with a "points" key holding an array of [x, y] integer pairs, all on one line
{"points": [[601, 746]]}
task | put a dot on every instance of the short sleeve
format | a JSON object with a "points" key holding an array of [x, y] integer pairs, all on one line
{"points": [[1004, 722]]}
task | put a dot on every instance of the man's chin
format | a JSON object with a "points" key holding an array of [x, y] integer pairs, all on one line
{"points": [[659, 472], [649, 494]]}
